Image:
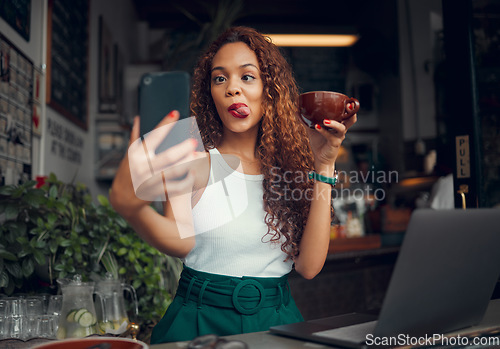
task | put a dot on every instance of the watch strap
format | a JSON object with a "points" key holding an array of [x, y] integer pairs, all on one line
{"points": [[320, 178]]}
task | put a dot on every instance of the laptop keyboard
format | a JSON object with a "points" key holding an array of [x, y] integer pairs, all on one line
{"points": [[353, 333]]}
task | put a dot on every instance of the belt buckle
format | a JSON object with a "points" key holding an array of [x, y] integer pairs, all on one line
{"points": [[236, 292]]}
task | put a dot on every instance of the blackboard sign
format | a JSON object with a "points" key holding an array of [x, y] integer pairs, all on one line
{"points": [[17, 14], [16, 117], [67, 59]]}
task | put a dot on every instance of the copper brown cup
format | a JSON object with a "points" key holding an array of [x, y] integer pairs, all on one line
{"points": [[316, 106]]}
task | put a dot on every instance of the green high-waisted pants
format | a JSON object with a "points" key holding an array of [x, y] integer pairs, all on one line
{"points": [[217, 304]]}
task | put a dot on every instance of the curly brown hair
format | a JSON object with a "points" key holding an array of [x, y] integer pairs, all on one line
{"points": [[282, 145]]}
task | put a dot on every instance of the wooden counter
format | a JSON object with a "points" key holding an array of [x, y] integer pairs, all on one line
{"points": [[354, 279], [368, 242]]}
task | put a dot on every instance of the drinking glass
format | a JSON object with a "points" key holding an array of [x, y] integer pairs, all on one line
{"points": [[16, 306], [34, 308], [4, 330], [54, 308], [15, 320], [45, 297], [55, 305], [4, 307], [46, 326], [4, 314], [16, 326]]}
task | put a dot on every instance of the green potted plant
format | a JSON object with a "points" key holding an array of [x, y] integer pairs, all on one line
{"points": [[56, 230]]}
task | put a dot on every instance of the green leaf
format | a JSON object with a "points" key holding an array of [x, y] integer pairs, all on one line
{"points": [[53, 191], [71, 209], [52, 178], [59, 267], [121, 251], [4, 279], [28, 267], [18, 192], [83, 240], [137, 253], [10, 237], [124, 240], [122, 270], [29, 184], [40, 258], [7, 255], [7, 190], [10, 287], [137, 284], [61, 207], [65, 243], [102, 200], [121, 222], [21, 228], [53, 245], [23, 240], [35, 198], [138, 268], [14, 269], [109, 262], [40, 244], [80, 229], [11, 212], [51, 218], [64, 200], [25, 251]]}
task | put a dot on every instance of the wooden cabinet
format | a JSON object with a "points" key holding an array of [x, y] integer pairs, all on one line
{"points": [[351, 281]]}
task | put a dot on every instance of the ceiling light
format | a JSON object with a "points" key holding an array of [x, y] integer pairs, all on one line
{"points": [[313, 40]]}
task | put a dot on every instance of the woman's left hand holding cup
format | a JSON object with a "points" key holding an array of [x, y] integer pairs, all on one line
{"points": [[326, 140]]}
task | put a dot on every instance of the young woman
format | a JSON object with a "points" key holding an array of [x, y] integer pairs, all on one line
{"points": [[251, 221]]}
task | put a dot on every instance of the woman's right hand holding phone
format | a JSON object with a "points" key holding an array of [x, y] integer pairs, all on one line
{"points": [[145, 176], [171, 233]]}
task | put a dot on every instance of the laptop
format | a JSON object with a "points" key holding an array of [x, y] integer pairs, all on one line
{"points": [[445, 274]]}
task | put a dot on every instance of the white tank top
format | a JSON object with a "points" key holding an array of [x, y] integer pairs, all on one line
{"points": [[230, 229]]}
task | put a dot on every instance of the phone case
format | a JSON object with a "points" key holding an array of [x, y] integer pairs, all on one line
{"points": [[159, 94]]}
